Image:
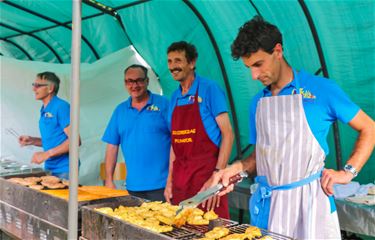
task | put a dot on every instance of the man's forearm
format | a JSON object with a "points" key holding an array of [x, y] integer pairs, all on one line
{"points": [[172, 157], [225, 150], [362, 149], [365, 141], [110, 165], [61, 149], [249, 163], [36, 141], [227, 138], [110, 161]]}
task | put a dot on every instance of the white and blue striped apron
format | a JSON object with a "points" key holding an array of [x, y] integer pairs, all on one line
{"points": [[289, 162]]}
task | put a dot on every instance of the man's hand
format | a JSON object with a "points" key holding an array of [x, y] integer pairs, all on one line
{"points": [[39, 157], [110, 184], [168, 191], [331, 177], [224, 175], [214, 201], [25, 140]]}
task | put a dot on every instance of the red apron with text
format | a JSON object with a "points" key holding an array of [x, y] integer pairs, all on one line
{"points": [[196, 155]]}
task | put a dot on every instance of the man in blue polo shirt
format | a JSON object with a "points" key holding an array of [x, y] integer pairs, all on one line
{"points": [[140, 126], [289, 123], [54, 125], [202, 135]]}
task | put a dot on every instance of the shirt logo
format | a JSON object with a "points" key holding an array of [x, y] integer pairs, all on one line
{"points": [[305, 93], [153, 108], [48, 115], [192, 99]]}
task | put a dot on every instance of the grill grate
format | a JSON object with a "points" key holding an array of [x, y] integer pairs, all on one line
{"points": [[201, 229], [179, 233], [242, 228], [187, 231]]}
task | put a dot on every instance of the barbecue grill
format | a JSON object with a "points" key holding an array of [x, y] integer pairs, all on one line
{"points": [[97, 225], [26, 213]]}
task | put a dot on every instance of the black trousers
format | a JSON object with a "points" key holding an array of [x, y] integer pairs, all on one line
{"points": [[152, 195]]}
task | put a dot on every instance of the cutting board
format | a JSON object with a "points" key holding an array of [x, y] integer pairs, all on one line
{"points": [[88, 193]]}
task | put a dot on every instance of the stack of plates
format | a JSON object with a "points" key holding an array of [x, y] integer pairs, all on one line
{"points": [[10, 167]]}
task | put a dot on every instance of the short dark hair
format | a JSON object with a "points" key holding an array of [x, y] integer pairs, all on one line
{"points": [[144, 69], [52, 78], [190, 50], [254, 35]]}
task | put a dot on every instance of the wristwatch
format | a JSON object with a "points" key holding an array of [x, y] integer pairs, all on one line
{"points": [[351, 169]]}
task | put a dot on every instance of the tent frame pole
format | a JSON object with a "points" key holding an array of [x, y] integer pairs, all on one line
{"points": [[74, 113], [318, 45], [236, 129]]}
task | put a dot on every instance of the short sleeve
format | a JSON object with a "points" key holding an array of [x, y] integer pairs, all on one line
{"points": [[252, 119], [341, 107], [111, 134], [216, 100], [63, 115]]}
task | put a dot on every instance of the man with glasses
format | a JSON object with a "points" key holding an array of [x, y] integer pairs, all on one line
{"points": [[139, 125], [202, 134], [289, 122], [54, 125]]}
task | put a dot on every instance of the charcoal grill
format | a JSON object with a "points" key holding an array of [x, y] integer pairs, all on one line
{"points": [[31, 214], [96, 225]]}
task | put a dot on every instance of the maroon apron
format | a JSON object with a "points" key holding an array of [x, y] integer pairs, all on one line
{"points": [[196, 155]]}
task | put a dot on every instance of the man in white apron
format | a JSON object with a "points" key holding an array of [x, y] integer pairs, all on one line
{"points": [[289, 123]]}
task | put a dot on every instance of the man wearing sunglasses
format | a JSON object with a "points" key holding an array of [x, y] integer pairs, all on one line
{"points": [[139, 125], [54, 125]]}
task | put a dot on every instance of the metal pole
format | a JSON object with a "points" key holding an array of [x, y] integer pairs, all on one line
{"points": [[74, 123]]}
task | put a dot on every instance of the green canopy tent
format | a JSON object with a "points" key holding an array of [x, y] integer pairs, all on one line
{"points": [[335, 39]]}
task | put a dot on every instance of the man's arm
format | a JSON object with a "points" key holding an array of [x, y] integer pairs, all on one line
{"points": [[361, 153], [227, 138], [40, 157], [168, 188], [25, 140], [248, 165], [111, 154]]}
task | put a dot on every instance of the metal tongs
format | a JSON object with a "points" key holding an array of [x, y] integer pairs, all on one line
{"points": [[212, 191], [12, 132]]}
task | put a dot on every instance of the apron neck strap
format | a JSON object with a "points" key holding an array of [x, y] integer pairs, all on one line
{"points": [[296, 80]]}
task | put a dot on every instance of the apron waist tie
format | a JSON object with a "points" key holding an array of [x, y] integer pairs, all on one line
{"points": [[262, 181], [261, 197]]}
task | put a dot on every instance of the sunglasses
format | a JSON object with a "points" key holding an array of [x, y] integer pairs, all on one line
{"points": [[137, 81], [38, 85]]}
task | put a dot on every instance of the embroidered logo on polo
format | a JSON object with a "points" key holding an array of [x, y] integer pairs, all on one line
{"points": [[48, 115], [153, 108], [192, 99], [306, 94]]}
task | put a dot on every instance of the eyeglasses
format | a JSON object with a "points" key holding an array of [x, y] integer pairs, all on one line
{"points": [[38, 85], [138, 81]]}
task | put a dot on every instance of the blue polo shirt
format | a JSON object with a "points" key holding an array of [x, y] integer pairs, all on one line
{"points": [[211, 100], [145, 142], [323, 100], [53, 119]]}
